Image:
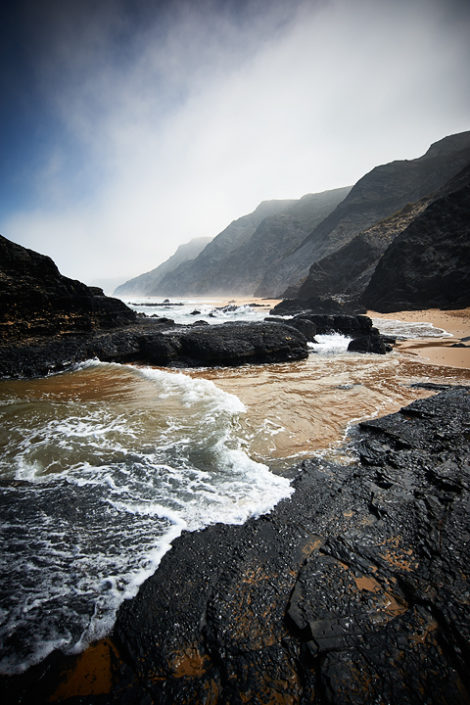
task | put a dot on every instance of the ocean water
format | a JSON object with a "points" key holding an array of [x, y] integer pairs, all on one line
{"points": [[102, 467], [195, 309]]}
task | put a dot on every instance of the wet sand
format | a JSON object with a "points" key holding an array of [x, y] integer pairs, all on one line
{"points": [[438, 351]]}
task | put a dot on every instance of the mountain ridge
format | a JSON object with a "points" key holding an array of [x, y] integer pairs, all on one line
{"points": [[380, 193], [147, 282]]}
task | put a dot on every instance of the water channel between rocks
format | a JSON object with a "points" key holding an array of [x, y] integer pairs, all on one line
{"points": [[102, 467]]}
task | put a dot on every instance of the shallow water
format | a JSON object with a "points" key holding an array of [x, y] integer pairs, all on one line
{"points": [[297, 409], [100, 470], [102, 467]]}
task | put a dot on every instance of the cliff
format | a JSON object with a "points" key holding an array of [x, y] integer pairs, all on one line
{"points": [[200, 276], [148, 284], [381, 193], [337, 281], [240, 260], [428, 264], [37, 300]]}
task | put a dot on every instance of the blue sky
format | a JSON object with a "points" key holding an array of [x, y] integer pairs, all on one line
{"points": [[128, 128]]}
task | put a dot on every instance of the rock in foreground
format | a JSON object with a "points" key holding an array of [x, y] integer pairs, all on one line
{"points": [[37, 300], [355, 590], [364, 337], [48, 321], [155, 343]]}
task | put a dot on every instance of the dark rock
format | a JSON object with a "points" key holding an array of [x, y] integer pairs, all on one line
{"points": [[156, 343], [48, 322], [341, 323], [372, 343], [225, 344], [355, 590], [300, 323], [428, 264], [36, 300], [431, 385], [366, 339], [289, 307]]}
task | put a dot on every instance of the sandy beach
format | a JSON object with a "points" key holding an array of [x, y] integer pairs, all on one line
{"points": [[439, 351]]}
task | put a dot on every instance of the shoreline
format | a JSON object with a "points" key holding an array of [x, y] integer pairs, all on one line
{"points": [[337, 589], [95, 671], [436, 351]]}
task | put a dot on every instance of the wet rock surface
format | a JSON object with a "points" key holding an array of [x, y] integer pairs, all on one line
{"points": [[157, 342], [48, 321], [365, 338], [355, 590]]}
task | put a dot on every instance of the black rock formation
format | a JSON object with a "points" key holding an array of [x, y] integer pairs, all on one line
{"points": [[381, 193], [428, 264], [36, 300], [336, 282], [158, 342], [365, 338], [48, 321], [353, 591]]}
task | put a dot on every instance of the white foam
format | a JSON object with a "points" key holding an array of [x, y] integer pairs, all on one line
{"points": [[332, 344], [193, 390], [406, 330], [102, 495], [188, 311]]}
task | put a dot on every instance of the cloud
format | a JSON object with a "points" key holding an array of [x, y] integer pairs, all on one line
{"points": [[180, 120]]}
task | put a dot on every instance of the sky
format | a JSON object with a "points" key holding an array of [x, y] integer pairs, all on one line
{"points": [[129, 127]]}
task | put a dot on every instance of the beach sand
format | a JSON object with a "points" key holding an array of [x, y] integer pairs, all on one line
{"points": [[438, 351]]}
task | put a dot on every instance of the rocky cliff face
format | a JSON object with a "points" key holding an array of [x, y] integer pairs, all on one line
{"points": [[378, 195], [337, 282], [241, 259], [201, 275], [148, 284], [35, 299], [428, 264], [341, 278], [270, 251], [251, 268]]}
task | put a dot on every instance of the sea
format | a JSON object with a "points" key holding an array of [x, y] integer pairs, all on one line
{"points": [[104, 465]]}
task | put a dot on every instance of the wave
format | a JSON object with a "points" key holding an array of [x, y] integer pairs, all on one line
{"points": [[94, 494]]}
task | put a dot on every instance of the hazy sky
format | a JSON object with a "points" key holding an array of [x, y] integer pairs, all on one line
{"points": [[129, 127]]}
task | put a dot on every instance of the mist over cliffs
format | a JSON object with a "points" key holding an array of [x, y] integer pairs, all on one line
{"points": [[149, 282], [323, 248]]}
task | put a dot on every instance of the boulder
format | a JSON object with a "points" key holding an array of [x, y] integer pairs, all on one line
{"points": [[371, 343], [225, 344], [299, 322]]}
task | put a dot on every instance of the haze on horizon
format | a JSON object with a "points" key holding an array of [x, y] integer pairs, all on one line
{"points": [[130, 127]]}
